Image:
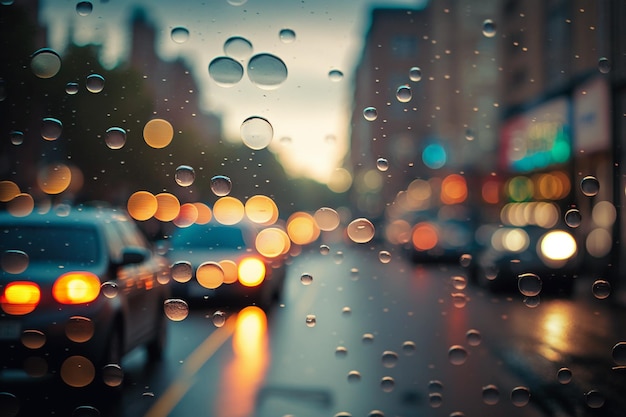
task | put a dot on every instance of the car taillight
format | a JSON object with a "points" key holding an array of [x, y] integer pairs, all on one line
{"points": [[251, 272], [76, 288], [20, 297]]}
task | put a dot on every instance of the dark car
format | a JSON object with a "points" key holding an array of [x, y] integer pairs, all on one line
{"points": [[543, 260], [220, 263], [78, 290]]}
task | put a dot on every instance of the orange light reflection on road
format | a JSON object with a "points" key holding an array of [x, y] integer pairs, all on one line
{"points": [[244, 374]]}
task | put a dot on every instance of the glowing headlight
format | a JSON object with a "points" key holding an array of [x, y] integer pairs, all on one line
{"points": [[557, 245], [251, 272]]}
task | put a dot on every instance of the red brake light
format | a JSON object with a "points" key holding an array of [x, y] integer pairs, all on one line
{"points": [[251, 271], [20, 297], [76, 288]]}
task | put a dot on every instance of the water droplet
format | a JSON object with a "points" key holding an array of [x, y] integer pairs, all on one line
{"points": [[326, 218], [185, 175], [594, 399], [225, 71], [335, 75], [210, 275], [10, 404], [457, 355], [376, 413], [459, 282], [45, 63], [408, 347], [387, 384], [384, 257], [491, 394], [115, 137], [267, 71], [33, 339], [287, 35], [311, 320], [221, 185], [367, 338], [564, 376], [256, 132], [604, 65], [590, 186], [79, 329], [176, 309], [465, 260], [520, 396], [469, 134], [237, 2], [404, 94], [338, 258], [306, 279], [573, 218], [619, 353], [415, 74], [361, 230], [179, 34], [435, 400], [473, 337], [341, 352], [601, 289], [532, 302], [51, 128], [324, 249], [112, 375], [181, 271], [354, 376], [389, 358], [158, 133], [218, 318], [435, 386], [529, 284], [370, 113], [346, 311], [14, 261], [238, 48], [109, 289], [489, 28], [71, 88], [94, 83], [382, 164], [459, 300], [84, 8], [77, 371], [85, 411], [17, 137]]}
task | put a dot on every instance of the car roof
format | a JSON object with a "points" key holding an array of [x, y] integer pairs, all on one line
{"points": [[68, 216]]}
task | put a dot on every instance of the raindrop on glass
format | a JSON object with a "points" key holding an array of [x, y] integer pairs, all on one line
{"points": [[176, 309], [564, 376], [604, 65], [341, 352], [370, 113], [287, 35], [306, 279], [237, 2], [382, 164], [489, 28], [354, 376], [238, 48], [85, 411], [218, 318], [491, 394], [459, 300], [185, 175], [594, 399], [310, 320], [115, 137], [520, 396], [529, 284], [112, 375], [338, 259], [457, 355], [435, 400], [267, 71], [221, 185], [9, 404], [79, 329], [109, 289], [181, 271], [601, 289], [469, 134], [94, 83], [532, 302], [14, 261], [465, 260], [179, 34], [590, 186], [45, 63], [256, 132], [404, 94], [573, 218], [324, 249], [225, 71], [459, 282], [387, 384], [84, 8], [408, 347], [361, 230], [71, 88], [435, 386], [376, 413], [51, 128], [415, 74], [384, 257], [367, 338], [346, 311], [389, 359], [33, 339], [619, 353], [17, 137], [473, 337], [335, 75]]}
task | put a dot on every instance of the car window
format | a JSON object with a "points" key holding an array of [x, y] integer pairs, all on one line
{"points": [[209, 237]]}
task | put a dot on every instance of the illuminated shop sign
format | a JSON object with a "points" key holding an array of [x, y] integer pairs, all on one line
{"points": [[536, 139]]}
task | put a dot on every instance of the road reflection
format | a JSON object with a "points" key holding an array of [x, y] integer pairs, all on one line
{"points": [[245, 373]]}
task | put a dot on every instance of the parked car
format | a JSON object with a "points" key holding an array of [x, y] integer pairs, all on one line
{"points": [[550, 254], [220, 263], [78, 290]]}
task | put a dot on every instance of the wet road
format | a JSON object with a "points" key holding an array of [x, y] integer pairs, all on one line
{"points": [[366, 337]]}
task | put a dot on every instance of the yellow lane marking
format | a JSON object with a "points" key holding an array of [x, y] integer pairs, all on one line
{"points": [[175, 392]]}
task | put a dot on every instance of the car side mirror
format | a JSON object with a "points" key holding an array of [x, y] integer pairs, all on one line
{"points": [[134, 255]]}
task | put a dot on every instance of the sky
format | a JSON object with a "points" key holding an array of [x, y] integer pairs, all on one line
{"points": [[309, 111]]}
